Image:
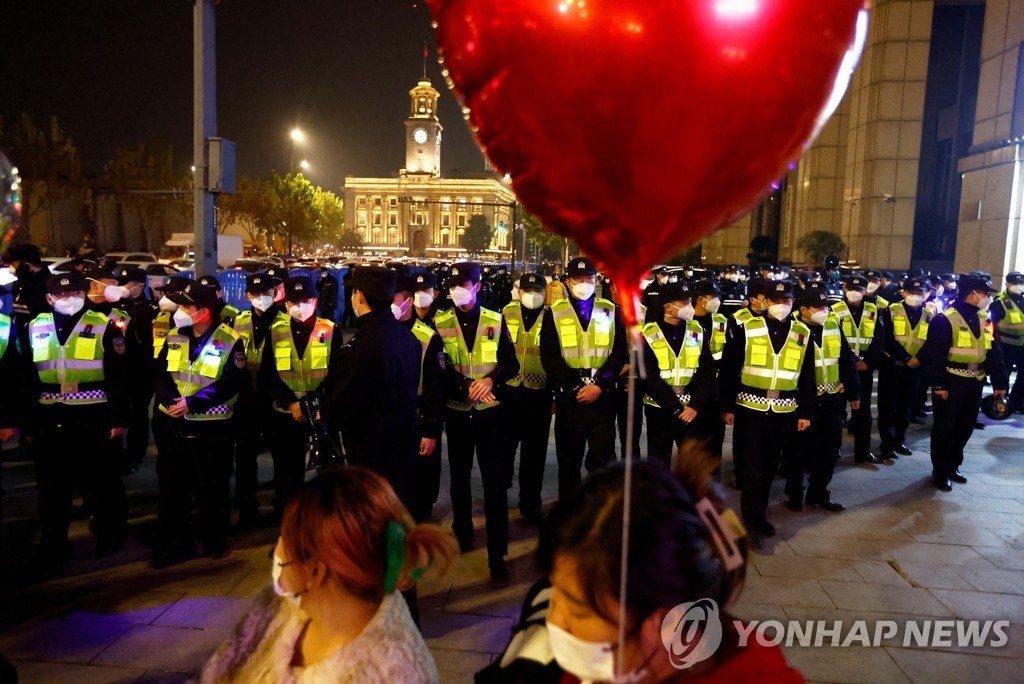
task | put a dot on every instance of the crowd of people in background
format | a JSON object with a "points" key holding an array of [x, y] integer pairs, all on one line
{"points": [[93, 364]]}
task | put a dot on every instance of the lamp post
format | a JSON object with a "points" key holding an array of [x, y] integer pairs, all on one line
{"points": [[296, 136]]}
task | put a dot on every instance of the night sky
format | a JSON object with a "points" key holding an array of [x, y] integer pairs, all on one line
{"points": [[117, 71]]}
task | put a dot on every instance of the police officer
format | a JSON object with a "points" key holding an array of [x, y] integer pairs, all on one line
{"points": [[294, 364], [347, 315], [227, 312], [946, 287], [29, 291], [79, 381], [957, 357], [199, 374], [650, 295], [1007, 314], [162, 324], [680, 372], [371, 387], [904, 328], [254, 414], [872, 292], [767, 391], [327, 293], [708, 425], [424, 298], [528, 403], [481, 359], [859, 321], [502, 288], [835, 374], [140, 311], [583, 350], [426, 480], [890, 287], [12, 404], [832, 281]]}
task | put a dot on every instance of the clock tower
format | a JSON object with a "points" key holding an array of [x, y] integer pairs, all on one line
{"points": [[423, 132]]}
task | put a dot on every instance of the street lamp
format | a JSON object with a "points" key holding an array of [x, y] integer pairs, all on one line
{"points": [[304, 165], [296, 136]]}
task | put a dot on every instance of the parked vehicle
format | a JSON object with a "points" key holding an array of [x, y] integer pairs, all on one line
{"points": [[182, 246]]}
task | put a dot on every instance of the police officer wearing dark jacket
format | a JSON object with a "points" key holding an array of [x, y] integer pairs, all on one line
{"points": [[904, 328], [254, 410], [141, 312], [425, 304], [817, 448], [680, 372], [426, 483], [226, 311], [29, 292], [79, 379], [327, 294], [708, 425], [583, 350], [371, 387], [481, 359], [957, 357], [199, 374], [734, 292]]}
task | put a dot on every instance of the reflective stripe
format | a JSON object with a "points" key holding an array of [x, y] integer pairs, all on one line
{"points": [[912, 340], [765, 370], [161, 326], [475, 364], [826, 356], [858, 336], [585, 350], [424, 333], [79, 360], [305, 374], [967, 352], [527, 343], [676, 369], [191, 376], [1011, 326]]}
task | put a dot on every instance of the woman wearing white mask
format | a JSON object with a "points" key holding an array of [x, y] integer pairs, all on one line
{"points": [[335, 614], [684, 550], [583, 349], [294, 364], [680, 372]]}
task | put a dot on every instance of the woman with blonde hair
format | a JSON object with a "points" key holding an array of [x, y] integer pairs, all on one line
{"points": [[348, 547]]}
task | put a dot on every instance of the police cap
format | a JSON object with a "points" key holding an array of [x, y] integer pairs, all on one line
{"points": [[922, 284], [1015, 278], [197, 295], [72, 281], [706, 288], [756, 286], [532, 281], [174, 284], [465, 271], [100, 274], [210, 281], [813, 295], [974, 283], [855, 282], [873, 275], [675, 292], [131, 274], [580, 266], [779, 289], [298, 288], [424, 281], [261, 282]]}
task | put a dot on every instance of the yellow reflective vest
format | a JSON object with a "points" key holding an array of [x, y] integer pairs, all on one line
{"points": [[587, 349], [476, 363], [192, 376], [676, 369], [527, 343], [77, 361], [305, 374]]}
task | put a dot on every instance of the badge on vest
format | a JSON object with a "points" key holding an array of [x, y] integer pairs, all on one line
{"points": [[119, 345], [441, 360], [239, 360], [490, 333]]}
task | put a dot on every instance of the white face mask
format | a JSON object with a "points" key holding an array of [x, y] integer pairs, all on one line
{"points": [[757, 306], [262, 303], [533, 300], [939, 290], [872, 287], [166, 305], [589, 661], [68, 306], [914, 300], [399, 310], [713, 305], [182, 319], [984, 303], [275, 572], [734, 277], [583, 290], [1015, 289], [854, 296], [662, 279], [301, 311], [423, 300], [462, 296], [819, 317], [780, 311], [685, 312], [114, 293]]}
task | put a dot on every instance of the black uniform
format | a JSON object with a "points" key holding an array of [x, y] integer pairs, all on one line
{"points": [[665, 427], [860, 419], [29, 294], [708, 426], [1012, 346], [479, 431], [371, 398], [348, 316], [426, 481], [140, 391], [955, 417], [898, 383], [733, 296], [582, 429], [194, 457], [327, 295]]}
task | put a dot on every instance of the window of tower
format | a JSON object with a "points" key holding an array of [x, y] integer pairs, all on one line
{"points": [[392, 219], [376, 219], [462, 221], [393, 202], [361, 220], [361, 202], [376, 201], [446, 220]]}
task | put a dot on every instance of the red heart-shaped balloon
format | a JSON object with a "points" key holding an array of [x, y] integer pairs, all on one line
{"points": [[636, 127]]}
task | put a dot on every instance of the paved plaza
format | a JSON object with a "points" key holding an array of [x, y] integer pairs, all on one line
{"points": [[902, 551]]}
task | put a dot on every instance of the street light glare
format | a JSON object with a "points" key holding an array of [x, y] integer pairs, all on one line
{"points": [[298, 135], [304, 165]]}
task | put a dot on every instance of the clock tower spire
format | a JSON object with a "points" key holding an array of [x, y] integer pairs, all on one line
{"points": [[423, 130]]}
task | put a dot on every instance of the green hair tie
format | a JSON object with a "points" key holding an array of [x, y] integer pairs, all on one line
{"points": [[396, 557]]}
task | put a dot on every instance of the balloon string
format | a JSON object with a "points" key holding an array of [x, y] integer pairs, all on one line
{"points": [[635, 364]]}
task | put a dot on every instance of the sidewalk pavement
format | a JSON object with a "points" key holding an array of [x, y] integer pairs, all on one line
{"points": [[902, 551]]}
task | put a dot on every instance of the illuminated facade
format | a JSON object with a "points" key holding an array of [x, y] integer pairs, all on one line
{"points": [[419, 213]]}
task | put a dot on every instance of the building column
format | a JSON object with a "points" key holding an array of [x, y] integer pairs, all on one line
{"points": [[992, 196]]}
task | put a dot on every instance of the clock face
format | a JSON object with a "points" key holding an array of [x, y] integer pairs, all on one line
{"points": [[419, 135]]}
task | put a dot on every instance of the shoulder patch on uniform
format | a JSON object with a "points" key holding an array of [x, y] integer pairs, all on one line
{"points": [[441, 360], [119, 345], [239, 360]]}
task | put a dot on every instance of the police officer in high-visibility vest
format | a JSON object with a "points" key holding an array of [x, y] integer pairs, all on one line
{"points": [[424, 298], [708, 426], [904, 328], [734, 292], [227, 312], [13, 404], [481, 359], [835, 375], [1007, 314], [294, 364], [199, 374], [426, 479], [872, 291], [859, 320], [583, 350], [529, 400], [254, 414], [957, 357], [767, 391], [80, 383], [680, 372]]}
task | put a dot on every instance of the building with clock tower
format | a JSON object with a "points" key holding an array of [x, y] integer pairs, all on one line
{"points": [[417, 213]]}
